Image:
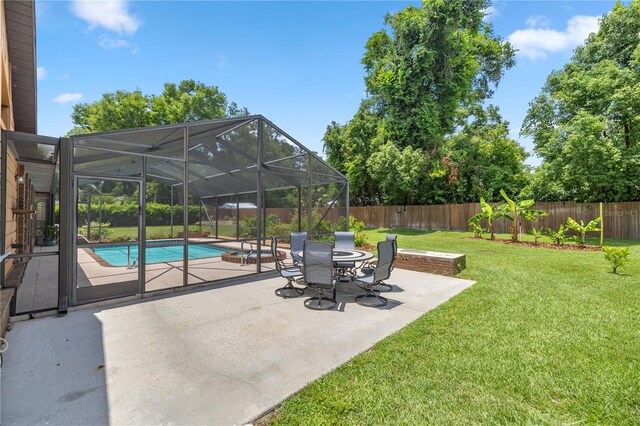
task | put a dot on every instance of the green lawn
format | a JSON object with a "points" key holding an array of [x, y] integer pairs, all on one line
{"points": [[544, 336]]}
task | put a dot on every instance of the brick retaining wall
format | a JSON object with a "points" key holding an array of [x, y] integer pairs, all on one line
{"points": [[438, 263]]}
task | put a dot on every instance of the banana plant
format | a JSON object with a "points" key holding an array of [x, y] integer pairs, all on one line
{"points": [[558, 237], [582, 229], [490, 214], [477, 230], [537, 234], [517, 209]]}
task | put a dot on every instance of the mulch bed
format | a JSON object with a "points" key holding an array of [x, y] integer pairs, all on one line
{"points": [[550, 246]]}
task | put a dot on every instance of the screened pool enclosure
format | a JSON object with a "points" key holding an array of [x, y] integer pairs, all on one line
{"points": [[156, 208]]}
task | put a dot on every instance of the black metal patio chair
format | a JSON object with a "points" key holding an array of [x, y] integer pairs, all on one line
{"points": [[368, 269], [382, 271], [319, 274], [346, 241], [290, 273], [297, 239]]}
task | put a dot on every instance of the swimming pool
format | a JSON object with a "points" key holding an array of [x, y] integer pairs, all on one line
{"points": [[118, 255]]}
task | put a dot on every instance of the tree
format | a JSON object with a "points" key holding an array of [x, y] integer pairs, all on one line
{"points": [[114, 111], [348, 147], [400, 173], [436, 59], [485, 159], [586, 121], [423, 75], [187, 101]]}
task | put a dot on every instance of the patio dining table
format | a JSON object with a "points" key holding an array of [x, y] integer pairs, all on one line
{"points": [[346, 255]]}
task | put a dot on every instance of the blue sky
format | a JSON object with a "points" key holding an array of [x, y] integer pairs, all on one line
{"points": [[297, 63]]}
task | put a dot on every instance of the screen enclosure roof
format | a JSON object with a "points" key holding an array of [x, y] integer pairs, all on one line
{"points": [[222, 156]]}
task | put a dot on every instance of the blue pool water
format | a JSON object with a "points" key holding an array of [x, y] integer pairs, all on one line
{"points": [[117, 256]]}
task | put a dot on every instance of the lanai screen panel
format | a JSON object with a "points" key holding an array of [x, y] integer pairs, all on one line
{"points": [[214, 184]]}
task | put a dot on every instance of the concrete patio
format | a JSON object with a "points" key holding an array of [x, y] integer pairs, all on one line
{"points": [[216, 355]]}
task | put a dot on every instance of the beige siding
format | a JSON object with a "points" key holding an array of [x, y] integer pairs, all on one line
{"points": [[7, 123], [11, 202]]}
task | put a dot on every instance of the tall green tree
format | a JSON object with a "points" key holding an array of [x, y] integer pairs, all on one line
{"points": [[485, 159], [586, 121], [434, 59], [423, 74], [179, 103]]}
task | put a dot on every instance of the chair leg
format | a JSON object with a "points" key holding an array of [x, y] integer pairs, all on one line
{"points": [[371, 299], [289, 291], [320, 302]]}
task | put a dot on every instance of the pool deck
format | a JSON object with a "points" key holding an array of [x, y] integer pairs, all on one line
{"points": [[39, 291]]}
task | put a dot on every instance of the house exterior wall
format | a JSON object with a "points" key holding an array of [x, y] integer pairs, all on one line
{"points": [[7, 123]]}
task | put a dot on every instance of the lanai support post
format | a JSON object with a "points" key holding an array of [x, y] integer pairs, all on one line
{"points": [[171, 211], [259, 200], [237, 216], [66, 256], [299, 208], [185, 208], [309, 202]]}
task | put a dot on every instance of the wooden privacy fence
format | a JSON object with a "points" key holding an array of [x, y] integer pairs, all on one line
{"points": [[620, 220]]}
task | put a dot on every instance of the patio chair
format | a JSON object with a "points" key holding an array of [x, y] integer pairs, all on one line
{"points": [[346, 241], [297, 239], [290, 273], [368, 269], [382, 271], [319, 274]]}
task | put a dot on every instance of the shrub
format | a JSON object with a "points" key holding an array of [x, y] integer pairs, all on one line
{"points": [[159, 236], [282, 230], [616, 256], [97, 232], [123, 238], [249, 223], [358, 227]]}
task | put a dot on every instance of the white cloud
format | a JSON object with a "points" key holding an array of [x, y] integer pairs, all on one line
{"points": [[112, 15], [109, 43], [490, 12], [67, 97], [535, 43], [119, 43], [41, 73], [538, 21]]}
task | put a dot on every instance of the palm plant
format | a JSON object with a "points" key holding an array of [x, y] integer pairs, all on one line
{"points": [[489, 213], [517, 209], [582, 229]]}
